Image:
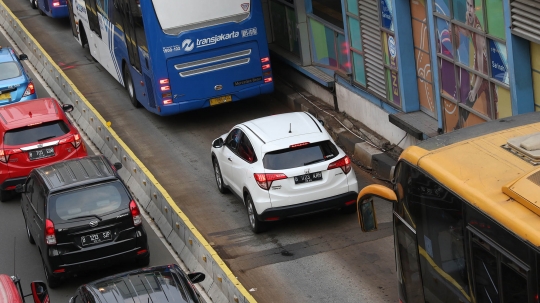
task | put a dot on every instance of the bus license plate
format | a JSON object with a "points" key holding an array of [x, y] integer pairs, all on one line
{"points": [[220, 100], [41, 153], [308, 178], [6, 96], [103, 236]]}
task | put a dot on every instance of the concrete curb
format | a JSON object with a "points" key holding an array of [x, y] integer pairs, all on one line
{"points": [[365, 148]]}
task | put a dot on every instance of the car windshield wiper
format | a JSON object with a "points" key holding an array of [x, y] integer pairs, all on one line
{"points": [[88, 216], [45, 138], [314, 161]]}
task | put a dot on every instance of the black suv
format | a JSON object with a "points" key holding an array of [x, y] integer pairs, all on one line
{"points": [[159, 284], [82, 217]]}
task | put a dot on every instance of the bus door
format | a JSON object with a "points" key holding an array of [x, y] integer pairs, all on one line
{"points": [[497, 275], [95, 31], [72, 18], [130, 36], [410, 278]]}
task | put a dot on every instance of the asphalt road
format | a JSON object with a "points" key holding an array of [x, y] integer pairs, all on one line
{"points": [[319, 258]]}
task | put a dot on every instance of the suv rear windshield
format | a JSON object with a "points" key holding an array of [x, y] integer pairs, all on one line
{"points": [[9, 70], [99, 199], [300, 156], [36, 133]]}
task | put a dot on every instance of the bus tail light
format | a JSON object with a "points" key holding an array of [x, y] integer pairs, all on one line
{"points": [[343, 163], [265, 180], [164, 81], [268, 80], [50, 236], [165, 88], [265, 59], [30, 90], [5, 153], [266, 66], [167, 101], [56, 3]]}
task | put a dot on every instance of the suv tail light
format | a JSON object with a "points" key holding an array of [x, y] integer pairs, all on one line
{"points": [[135, 213], [50, 236], [5, 153], [344, 163], [265, 180], [30, 90], [75, 140]]}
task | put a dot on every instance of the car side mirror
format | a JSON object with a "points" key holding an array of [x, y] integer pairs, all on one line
{"points": [[196, 277], [20, 188], [67, 108], [366, 215], [117, 165], [218, 143], [23, 57], [39, 292]]}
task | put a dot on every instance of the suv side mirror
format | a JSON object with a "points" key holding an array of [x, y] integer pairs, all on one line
{"points": [[322, 122], [39, 292], [117, 165], [20, 188], [67, 108], [23, 57], [196, 277], [218, 143]]}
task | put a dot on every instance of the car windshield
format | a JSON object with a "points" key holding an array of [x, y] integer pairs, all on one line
{"points": [[9, 70], [36, 133], [300, 156], [88, 202]]}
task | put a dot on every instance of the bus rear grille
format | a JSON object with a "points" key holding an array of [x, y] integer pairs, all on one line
{"points": [[215, 67], [216, 59]]}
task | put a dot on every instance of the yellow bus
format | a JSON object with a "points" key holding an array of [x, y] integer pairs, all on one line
{"points": [[466, 214]]}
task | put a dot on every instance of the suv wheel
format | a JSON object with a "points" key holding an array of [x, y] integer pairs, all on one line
{"points": [[30, 238], [219, 178], [257, 226], [53, 282]]}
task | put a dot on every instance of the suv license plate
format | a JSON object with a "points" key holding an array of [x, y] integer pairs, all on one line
{"points": [[41, 153], [308, 178], [220, 100], [103, 236]]}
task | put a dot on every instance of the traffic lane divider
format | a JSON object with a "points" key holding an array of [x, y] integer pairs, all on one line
{"points": [[221, 284]]}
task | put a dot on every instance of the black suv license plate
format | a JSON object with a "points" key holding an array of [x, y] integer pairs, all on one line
{"points": [[308, 178], [41, 153], [103, 236]]}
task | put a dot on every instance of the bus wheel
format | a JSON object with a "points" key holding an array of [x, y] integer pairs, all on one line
{"points": [[84, 40], [128, 82], [33, 4]]}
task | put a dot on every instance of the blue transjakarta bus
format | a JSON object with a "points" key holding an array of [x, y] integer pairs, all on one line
{"points": [[174, 56]]}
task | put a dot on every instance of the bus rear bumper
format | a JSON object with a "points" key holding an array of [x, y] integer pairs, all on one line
{"points": [[166, 110]]}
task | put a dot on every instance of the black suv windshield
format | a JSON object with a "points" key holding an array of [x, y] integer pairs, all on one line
{"points": [[9, 70], [35, 133], [300, 156], [91, 201]]}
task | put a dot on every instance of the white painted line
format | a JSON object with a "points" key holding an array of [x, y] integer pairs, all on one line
{"points": [[96, 151]]}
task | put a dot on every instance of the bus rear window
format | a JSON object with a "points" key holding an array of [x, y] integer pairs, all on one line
{"points": [[9, 70], [176, 16], [296, 157]]}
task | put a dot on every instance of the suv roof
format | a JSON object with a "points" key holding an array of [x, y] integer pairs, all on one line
{"points": [[76, 172], [134, 284], [283, 126], [25, 113], [7, 55]]}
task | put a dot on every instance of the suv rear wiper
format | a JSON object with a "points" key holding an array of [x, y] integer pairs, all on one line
{"points": [[88, 216], [314, 161], [45, 138]]}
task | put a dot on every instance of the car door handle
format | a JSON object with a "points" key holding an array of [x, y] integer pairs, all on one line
{"points": [[229, 159]]}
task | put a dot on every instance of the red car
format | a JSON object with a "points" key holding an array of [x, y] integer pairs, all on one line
{"points": [[34, 133]]}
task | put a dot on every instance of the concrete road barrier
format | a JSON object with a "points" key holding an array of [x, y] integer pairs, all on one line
{"points": [[220, 284]]}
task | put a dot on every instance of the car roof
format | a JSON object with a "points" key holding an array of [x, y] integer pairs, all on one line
{"points": [[124, 287], [29, 112], [283, 126], [7, 55], [76, 172]]}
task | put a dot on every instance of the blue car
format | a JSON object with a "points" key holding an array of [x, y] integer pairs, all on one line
{"points": [[15, 84], [51, 8]]}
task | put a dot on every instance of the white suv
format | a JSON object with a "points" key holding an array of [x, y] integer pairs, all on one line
{"points": [[283, 166]]}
